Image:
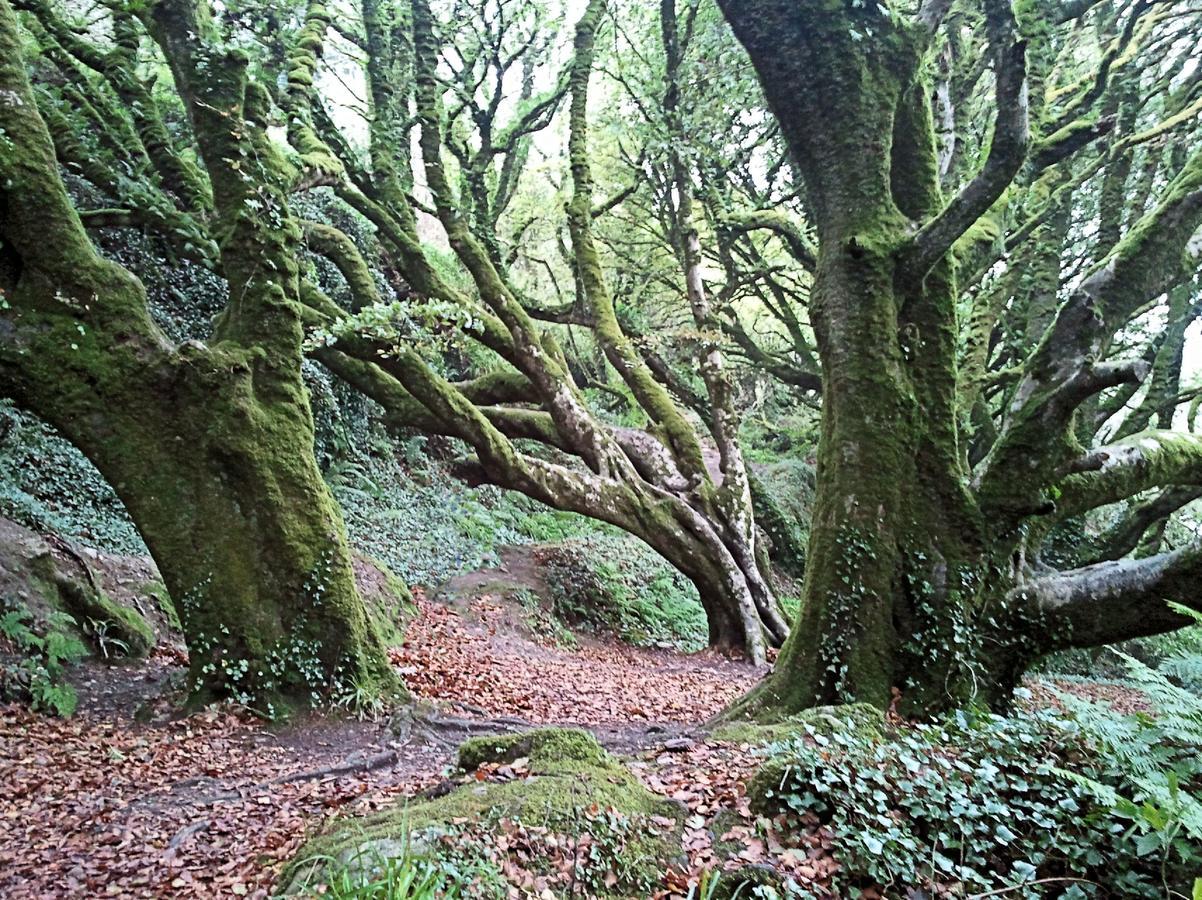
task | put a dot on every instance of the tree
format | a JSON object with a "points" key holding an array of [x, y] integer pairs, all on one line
{"points": [[956, 381], [209, 445], [655, 481]]}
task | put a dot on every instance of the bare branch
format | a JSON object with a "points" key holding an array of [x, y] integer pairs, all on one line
{"points": [[1006, 152], [1115, 601]]}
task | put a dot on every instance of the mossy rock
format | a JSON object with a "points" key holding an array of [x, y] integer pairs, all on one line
{"points": [[548, 749], [120, 622], [569, 773], [862, 719], [102, 619]]}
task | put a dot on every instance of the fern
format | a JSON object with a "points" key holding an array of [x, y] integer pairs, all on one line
{"points": [[1152, 770], [37, 675]]}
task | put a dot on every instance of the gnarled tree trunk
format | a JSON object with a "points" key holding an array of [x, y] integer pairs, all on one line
{"points": [[210, 448], [917, 574]]}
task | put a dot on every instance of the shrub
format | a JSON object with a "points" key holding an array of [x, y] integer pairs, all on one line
{"points": [[979, 802], [43, 652]]}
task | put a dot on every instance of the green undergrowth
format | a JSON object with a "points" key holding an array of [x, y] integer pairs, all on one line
{"points": [[860, 718], [543, 625], [48, 486], [547, 807], [34, 656], [1036, 805], [401, 506], [426, 525], [617, 585], [114, 630], [782, 493], [45, 585], [1177, 655]]}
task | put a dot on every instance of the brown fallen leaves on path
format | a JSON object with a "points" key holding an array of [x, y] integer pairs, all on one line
{"points": [[199, 807], [447, 658], [709, 780], [212, 805]]}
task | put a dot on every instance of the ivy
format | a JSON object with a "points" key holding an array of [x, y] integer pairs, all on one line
{"points": [[976, 800]]}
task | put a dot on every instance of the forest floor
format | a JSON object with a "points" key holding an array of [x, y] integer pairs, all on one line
{"points": [[129, 799]]}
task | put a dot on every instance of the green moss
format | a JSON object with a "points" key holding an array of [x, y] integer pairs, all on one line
{"points": [[748, 881], [388, 601], [754, 733], [862, 717], [785, 530], [158, 591], [569, 774], [102, 619], [127, 624], [548, 749]]}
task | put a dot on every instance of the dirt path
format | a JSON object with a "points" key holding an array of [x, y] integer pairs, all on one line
{"points": [[212, 805], [475, 660]]}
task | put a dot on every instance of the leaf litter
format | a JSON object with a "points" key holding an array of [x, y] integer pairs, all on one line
{"points": [[214, 804]]}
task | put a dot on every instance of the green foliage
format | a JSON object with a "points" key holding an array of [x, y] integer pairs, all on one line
{"points": [[183, 296], [1178, 654], [781, 436], [50, 487], [542, 623], [43, 652], [618, 585], [782, 495], [977, 800], [369, 874], [473, 860], [403, 876], [425, 525], [114, 629], [1152, 772], [791, 482]]}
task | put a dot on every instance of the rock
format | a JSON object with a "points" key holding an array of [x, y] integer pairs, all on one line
{"points": [[574, 788], [679, 745]]}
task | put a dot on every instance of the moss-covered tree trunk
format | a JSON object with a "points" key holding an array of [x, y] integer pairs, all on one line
{"points": [[920, 575], [209, 447], [895, 554], [896, 546]]}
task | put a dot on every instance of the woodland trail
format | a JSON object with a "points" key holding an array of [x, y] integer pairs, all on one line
{"points": [[106, 804]]}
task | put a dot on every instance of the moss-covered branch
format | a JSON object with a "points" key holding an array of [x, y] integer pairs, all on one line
{"points": [[1129, 467], [1007, 149], [1115, 601], [1065, 369]]}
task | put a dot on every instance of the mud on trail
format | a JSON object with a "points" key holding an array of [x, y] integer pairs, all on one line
{"points": [[125, 799]]}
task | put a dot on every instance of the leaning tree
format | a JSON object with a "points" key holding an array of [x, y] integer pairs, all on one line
{"points": [[208, 444], [686, 495], [999, 192], [681, 486], [527, 418]]}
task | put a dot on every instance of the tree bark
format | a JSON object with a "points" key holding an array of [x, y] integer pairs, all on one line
{"points": [[209, 447]]}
